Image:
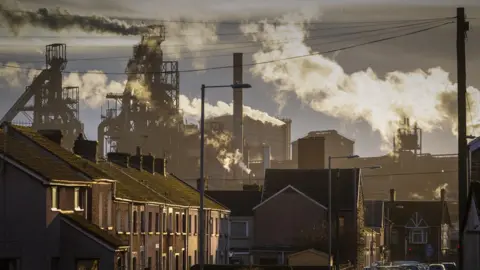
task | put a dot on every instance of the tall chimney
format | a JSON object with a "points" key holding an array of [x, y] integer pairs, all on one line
{"points": [[237, 109], [393, 195], [246, 156], [266, 156]]}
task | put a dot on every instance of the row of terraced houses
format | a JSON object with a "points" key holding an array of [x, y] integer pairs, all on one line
{"points": [[68, 210]]}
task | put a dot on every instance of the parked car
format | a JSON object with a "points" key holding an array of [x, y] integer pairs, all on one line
{"points": [[411, 267], [436, 267], [450, 265]]}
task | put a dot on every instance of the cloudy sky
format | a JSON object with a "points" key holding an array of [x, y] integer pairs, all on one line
{"points": [[434, 48]]}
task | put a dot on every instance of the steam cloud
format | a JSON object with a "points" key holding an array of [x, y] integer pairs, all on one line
{"points": [[57, 20], [220, 141], [428, 98], [192, 108]]}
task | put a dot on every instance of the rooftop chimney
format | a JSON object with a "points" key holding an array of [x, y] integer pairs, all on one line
{"points": [[86, 149], [148, 163], [121, 159], [54, 135], [393, 195], [161, 166], [443, 193], [311, 153], [136, 161], [266, 154], [237, 108]]}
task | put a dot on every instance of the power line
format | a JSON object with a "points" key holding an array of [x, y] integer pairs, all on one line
{"points": [[258, 63], [236, 33], [348, 35], [286, 40]]}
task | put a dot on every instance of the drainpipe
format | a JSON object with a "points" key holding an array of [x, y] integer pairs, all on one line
{"points": [[130, 213], [162, 208], [146, 223], [4, 182], [187, 237]]}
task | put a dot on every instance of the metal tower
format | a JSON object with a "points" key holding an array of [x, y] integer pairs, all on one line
{"points": [[53, 106], [146, 114]]}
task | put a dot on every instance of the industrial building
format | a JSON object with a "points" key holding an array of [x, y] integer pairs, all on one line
{"points": [[147, 114]]}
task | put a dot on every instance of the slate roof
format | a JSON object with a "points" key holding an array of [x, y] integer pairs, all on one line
{"points": [[94, 230], [239, 202], [80, 164], [314, 183], [142, 185], [37, 160], [430, 211], [131, 183], [374, 214]]}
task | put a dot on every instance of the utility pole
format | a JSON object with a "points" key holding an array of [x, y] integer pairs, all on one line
{"points": [[462, 28]]}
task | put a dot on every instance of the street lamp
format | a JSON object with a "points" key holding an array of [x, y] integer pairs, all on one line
{"points": [[330, 204], [201, 235]]}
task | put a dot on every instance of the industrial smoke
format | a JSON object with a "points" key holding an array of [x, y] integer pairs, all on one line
{"points": [[427, 97], [57, 20]]}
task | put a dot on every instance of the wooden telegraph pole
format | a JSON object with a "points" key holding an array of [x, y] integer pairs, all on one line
{"points": [[462, 28]]}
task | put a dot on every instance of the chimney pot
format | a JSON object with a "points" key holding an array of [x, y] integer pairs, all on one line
{"points": [[393, 195], [121, 159], [85, 148], [54, 135], [161, 166]]}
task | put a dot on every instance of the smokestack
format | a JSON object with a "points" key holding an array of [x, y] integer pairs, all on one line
{"points": [[266, 156], [393, 195], [237, 108], [246, 156], [443, 193], [288, 138]]}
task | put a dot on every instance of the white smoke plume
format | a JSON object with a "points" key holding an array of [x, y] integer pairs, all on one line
{"points": [[228, 159], [427, 97], [191, 38], [192, 108], [93, 87], [15, 76], [438, 191]]}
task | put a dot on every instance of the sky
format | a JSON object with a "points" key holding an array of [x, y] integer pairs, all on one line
{"points": [[434, 48]]}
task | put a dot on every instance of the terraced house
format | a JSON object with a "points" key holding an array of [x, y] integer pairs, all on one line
{"points": [[64, 210]]}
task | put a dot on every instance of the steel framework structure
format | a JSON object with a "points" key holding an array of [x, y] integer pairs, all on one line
{"points": [[53, 106], [146, 114]]}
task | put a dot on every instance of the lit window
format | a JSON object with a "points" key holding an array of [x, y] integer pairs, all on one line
{"points": [[78, 197], [55, 198], [417, 236]]}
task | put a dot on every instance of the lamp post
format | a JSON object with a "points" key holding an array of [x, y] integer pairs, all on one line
{"points": [[330, 204], [201, 235]]}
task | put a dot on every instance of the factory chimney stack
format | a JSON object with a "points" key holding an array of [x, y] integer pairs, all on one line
{"points": [[237, 109]]}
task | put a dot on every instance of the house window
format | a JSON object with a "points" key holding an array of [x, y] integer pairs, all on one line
{"points": [[418, 236], [119, 221], [170, 222], [177, 222], [55, 198], [157, 222], [184, 224], [216, 225], [195, 226], [189, 223], [210, 225], [142, 221], [78, 198], [164, 221], [109, 209], [127, 221], [239, 229], [135, 221], [157, 259], [100, 210], [150, 222]]}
